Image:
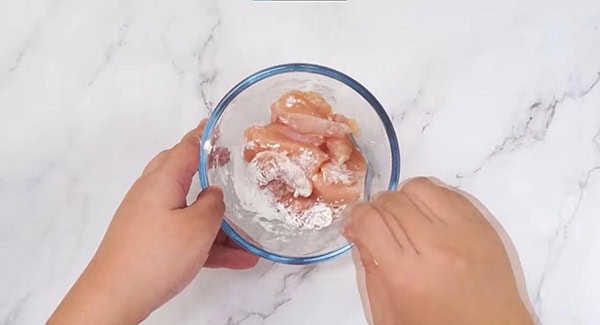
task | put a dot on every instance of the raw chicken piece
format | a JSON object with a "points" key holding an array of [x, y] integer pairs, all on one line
{"points": [[308, 124], [357, 165], [351, 123], [275, 166], [340, 118], [308, 113], [288, 132], [282, 195], [339, 149], [305, 158], [259, 139], [218, 157], [333, 185], [336, 193], [334, 173], [308, 103]]}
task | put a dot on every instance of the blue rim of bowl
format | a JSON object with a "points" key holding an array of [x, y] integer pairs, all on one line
{"points": [[270, 72]]}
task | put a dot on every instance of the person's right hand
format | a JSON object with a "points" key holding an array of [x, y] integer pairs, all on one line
{"points": [[430, 257]]}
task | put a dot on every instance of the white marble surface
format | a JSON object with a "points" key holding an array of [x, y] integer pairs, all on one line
{"points": [[499, 97]]}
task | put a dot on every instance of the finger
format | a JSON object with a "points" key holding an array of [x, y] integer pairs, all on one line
{"points": [[162, 156], [207, 213], [468, 205], [427, 211], [398, 230], [457, 193], [436, 198], [437, 181], [404, 218], [221, 238], [156, 161], [395, 227], [224, 240], [194, 135], [366, 229], [230, 258], [232, 244], [182, 161], [422, 205]]}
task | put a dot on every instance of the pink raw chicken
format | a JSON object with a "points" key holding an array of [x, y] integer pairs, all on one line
{"points": [[291, 134], [275, 166], [259, 139], [306, 103], [348, 189], [282, 194], [304, 125], [308, 114], [339, 149]]}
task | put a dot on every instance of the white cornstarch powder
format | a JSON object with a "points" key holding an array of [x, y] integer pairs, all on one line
{"points": [[251, 178], [316, 217], [271, 165], [290, 101], [336, 174], [305, 159]]}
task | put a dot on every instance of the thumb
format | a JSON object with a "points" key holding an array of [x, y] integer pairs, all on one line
{"points": [[207, 212]]}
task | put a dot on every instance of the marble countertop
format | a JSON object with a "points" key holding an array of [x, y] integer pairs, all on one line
{"points": [[501, 98]]}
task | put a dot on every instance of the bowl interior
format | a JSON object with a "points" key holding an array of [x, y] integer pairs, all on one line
{"points": [[248, 105]]}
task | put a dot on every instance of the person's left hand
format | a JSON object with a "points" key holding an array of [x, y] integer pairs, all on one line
{"points": [[155, 244]]}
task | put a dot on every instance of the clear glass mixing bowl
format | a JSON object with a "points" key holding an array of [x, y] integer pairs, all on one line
{"points": [[248, 104]]}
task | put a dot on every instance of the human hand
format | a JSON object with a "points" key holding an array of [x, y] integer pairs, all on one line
{"points": [[430, 257], [155, 244]]}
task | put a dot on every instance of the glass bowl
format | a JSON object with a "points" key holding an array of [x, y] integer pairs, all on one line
{"points": [[248, 104]]}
